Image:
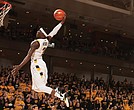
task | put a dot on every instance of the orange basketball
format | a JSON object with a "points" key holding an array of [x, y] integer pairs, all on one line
{"points": [[59, 14]]}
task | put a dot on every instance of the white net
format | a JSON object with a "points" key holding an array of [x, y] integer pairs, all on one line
{"points": [[3, 11]]}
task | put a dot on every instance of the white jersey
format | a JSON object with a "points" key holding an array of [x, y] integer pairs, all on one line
{"points": [[39, 69], [38, 52]]}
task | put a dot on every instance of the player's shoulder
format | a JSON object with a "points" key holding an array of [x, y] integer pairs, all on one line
{"points": [[44, 39], [39, 41], [34, 41]]}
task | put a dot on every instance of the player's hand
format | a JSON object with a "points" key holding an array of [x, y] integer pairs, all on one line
{"points": [[15, 70], [63, 19]]}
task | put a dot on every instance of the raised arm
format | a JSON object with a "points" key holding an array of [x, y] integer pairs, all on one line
{"points": [[56, 29], [33, 47]]}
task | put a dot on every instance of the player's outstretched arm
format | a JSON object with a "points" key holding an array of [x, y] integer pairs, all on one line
{"points": [[16, 68], [56, 29]]}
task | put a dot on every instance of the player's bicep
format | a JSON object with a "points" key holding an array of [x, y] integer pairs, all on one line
{"points": [[33, 47]]}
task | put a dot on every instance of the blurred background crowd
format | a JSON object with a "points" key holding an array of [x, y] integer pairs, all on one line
{"points": [[95, 43], [83, 94]]}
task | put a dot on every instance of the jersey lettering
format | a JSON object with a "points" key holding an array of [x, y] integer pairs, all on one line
{"points": [[45, 43]]}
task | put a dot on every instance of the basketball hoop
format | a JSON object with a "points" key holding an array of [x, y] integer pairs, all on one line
{"points": [[4, 9]]}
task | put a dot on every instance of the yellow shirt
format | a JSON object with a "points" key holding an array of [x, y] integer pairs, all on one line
{"points": [[22, 86], [1, 92], [19, 104], [9, 95], [126, 107], [94, 92], [88, 95], [11, 88], [18, 93], [99, 98], [3, 87]]}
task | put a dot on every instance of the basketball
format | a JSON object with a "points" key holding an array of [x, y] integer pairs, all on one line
{"points": [[59, 14]]}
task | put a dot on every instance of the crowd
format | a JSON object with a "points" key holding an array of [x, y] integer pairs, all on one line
{"points": [[83, 94], [97, 47], [90, 45]]}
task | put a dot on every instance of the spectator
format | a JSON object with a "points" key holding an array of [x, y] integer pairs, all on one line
{"points": [[34, 107]]}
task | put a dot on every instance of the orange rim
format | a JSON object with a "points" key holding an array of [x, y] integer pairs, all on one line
{"points": [[6, 3]]}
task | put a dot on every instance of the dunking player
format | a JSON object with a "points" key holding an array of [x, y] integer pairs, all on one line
{"points": [[38, 66]]}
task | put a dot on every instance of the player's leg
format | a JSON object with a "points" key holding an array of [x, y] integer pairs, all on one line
{"points": [[43, 81], [39, 79]]}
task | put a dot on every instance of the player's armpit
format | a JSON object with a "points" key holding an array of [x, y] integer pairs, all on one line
{"points": [[49, 38]]}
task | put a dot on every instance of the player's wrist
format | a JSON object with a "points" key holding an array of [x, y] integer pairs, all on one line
{"points": [[19, 67], [63, 21]]}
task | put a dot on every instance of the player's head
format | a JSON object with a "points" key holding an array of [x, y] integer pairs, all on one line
{"points": [[39, 34]]}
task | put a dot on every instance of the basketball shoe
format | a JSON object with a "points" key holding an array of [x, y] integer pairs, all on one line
{"points": [[63, 96]]}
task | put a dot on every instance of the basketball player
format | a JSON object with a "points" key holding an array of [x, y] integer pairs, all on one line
{"points": [[38, 66]]}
